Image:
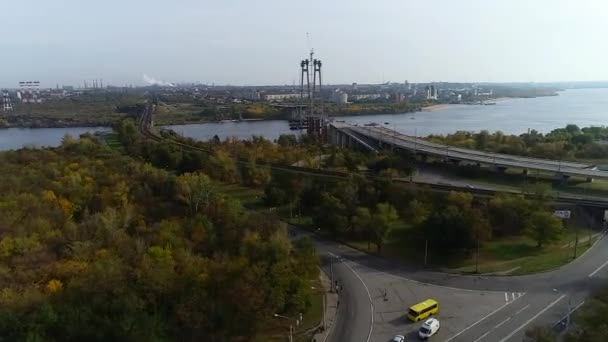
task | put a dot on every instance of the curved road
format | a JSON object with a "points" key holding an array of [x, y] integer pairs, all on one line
{"points": [[473, 308]]}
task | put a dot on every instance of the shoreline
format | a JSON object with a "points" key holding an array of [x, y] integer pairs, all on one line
{"points": [[435, 107]]}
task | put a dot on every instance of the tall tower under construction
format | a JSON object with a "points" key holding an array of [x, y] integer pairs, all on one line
{"points": [[311, 111]]}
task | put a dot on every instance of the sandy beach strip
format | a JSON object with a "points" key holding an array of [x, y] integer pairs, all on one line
{"points": [[435, 107]]}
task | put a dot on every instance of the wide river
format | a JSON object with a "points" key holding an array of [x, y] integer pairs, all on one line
{"points": [[584, 107]]}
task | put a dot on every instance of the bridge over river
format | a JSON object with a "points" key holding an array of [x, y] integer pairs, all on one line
{"points": [[368, 137]]}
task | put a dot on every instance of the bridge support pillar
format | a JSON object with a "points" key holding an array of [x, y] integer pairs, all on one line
{"points": [[589, 180], [455, 161], [562, 178], [525, 172], [501, 169]]}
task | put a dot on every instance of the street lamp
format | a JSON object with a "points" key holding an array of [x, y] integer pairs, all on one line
{"points": [[291, 329]]}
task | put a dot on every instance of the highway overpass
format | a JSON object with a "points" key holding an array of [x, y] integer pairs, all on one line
{"points": [[340, 133]]}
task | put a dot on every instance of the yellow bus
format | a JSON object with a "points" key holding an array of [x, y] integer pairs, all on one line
{"points": [[423, 310]]}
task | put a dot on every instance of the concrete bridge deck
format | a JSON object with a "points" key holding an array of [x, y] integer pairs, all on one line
{"points": [[384, 136]]}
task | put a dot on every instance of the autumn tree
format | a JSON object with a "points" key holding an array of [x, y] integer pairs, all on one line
{"points": [[543, 227]]}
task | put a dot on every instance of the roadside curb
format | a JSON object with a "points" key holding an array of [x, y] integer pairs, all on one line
{"points": [[324, 329]]}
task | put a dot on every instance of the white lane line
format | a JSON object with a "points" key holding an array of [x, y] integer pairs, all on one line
{"points": [[522, 309], [371, 303], [513, 295], [482, 336], [501, 323], [598, 269], [506, 297], [533, 318], [474, 324]]}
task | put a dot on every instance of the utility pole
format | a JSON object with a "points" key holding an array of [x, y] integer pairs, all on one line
{"points": [[575, 239], [331, 273], [477, 257], [426, 251]]}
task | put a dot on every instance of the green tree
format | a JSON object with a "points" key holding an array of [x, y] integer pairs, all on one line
{"points": [[362, 224], [543, 227], [541, 334], [197, 190], [383, 221]]}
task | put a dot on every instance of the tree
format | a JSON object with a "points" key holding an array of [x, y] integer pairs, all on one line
{"points": [[362, 223], [196, 190], [509, 213], [330, 215], [541, 334], [543, 227], [587, 318], [383, 221]]}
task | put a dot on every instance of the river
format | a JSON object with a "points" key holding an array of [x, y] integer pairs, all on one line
{"points": [[584, 107], [15, 138]]}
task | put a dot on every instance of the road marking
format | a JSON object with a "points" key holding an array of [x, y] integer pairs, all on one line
{"points": [[513, 295], [474, 324], [371, 303], [482, 336], [598, 269], [506, 297], [522, 309], [533, 318], [503, 322]]}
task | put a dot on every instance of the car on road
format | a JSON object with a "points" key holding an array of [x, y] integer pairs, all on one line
{"points": [[428, 328], [398, 338]]}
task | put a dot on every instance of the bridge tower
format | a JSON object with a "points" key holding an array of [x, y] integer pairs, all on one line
{"points": [[313, 118]]}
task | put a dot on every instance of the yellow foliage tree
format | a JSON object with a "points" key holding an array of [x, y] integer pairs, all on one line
{"points": [[54, 285]]}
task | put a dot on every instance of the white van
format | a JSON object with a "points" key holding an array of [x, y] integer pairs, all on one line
{"points": [[428, 328]]}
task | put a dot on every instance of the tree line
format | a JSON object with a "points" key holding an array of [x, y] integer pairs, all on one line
{"points": [[361, 207], [570, 142], [96, 246]]}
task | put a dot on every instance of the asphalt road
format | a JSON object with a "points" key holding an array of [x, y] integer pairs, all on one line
{"points": [[472, 308]]}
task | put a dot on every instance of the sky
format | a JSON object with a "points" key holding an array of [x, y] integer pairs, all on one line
{"points": [[261, 42]]}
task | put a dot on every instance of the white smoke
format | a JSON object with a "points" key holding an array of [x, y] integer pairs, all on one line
{"points": [[152, 81]]}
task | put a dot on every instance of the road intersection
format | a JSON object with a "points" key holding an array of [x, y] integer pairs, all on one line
{"points": [[377, 292]]}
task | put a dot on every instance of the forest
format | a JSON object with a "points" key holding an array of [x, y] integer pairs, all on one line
{"points": [[567, 143], [363, 206], [99, 246]]}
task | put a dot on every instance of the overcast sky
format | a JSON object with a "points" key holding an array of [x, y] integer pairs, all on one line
{"points": [[246, 42]]}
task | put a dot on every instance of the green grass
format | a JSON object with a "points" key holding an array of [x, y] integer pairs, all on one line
{"points": [[111, 140], [513, 255], [519, 255], [249, 197]]}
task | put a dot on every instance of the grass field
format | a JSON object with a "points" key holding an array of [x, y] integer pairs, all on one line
{"points": [[111, 139], [513, 255]]}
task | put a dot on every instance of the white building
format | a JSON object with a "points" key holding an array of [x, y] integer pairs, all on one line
{"points": [[339, 96], [280, 97]]}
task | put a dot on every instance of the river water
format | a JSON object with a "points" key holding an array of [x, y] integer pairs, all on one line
{"points": [[15, 138], [584, 107]]}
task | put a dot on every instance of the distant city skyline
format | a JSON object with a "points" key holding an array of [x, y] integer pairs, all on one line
{"points": [[241, 42]]}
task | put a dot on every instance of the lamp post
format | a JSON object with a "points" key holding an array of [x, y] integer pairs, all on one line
{"points": [[291, 329]]}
